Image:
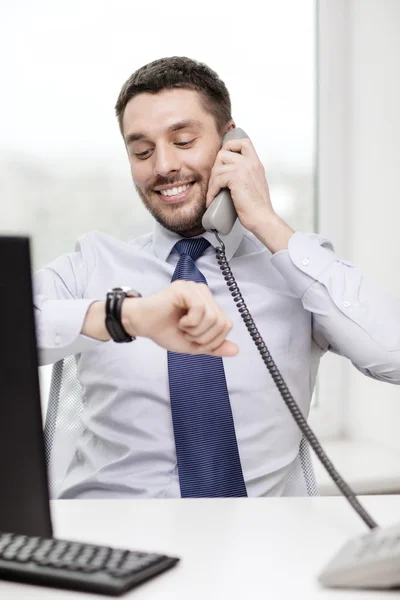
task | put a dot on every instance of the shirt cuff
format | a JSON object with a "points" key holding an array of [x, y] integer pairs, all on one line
{"points": [[62, 323], [308, 255]]}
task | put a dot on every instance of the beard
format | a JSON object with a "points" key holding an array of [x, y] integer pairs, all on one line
{"points": [[179, 218]]}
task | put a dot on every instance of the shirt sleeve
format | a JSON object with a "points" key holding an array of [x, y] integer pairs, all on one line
{"points": [[60, 305], [351, 316]]}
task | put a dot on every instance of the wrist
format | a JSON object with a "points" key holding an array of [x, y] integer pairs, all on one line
{"points": [[114, 302], [132, 316], [273, 232], [94, 323]]}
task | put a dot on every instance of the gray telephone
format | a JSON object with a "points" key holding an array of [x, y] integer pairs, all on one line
{"points": [[221, 214], [371, 560]]}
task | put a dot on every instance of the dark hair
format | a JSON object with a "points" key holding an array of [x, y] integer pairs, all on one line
{"points": [[178, 72]]}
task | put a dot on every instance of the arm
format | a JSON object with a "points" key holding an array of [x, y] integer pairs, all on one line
{"points": [[351, 316], [183, 317], [60, 306]]}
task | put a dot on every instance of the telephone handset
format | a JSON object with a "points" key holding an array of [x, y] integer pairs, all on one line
{"points": [[347, 569], [221, 214]]}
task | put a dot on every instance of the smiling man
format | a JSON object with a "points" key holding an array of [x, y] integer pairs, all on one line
{"points": [[160, 421], [171, 182]]}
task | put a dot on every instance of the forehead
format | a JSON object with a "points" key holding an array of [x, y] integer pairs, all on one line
{"points": [[153, 113]]}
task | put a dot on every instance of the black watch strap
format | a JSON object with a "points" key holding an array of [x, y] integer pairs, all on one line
{"points": [[114, 300]]}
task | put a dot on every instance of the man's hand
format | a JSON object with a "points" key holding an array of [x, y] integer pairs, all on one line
{"points": [[183, 317], [239, 168]]}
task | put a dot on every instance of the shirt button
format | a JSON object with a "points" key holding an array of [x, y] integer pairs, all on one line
{"points": [[346, 304], [57, 340], [305, 261]]}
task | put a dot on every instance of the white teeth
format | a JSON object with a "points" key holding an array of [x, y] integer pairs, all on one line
{"points": [[175, 191]]}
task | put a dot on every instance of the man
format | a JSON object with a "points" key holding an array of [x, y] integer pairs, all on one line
{"points": [[164, 424]]}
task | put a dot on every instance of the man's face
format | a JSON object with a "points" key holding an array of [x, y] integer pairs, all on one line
{"points": [[172, 143]]}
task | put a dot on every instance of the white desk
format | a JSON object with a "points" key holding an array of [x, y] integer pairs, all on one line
{"points": [[230, 548]]}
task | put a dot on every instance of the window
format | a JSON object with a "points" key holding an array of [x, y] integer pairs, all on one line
{"points": [[63, 164], [64, 168]]}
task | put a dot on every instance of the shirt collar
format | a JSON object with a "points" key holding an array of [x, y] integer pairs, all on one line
{"points": [[164, 240]]}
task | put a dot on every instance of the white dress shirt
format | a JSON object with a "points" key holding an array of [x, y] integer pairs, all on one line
{"points": [[304, 300]]}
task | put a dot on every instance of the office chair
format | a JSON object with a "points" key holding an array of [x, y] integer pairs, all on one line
{"points": [[63, 426]]}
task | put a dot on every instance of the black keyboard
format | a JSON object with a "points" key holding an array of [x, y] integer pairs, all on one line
{"points": [[78, 566]]}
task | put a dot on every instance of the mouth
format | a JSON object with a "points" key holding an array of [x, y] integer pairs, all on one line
{"points": [[175, 194]]}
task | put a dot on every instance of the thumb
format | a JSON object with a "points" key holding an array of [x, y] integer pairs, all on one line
{"points": [[226, 349]]}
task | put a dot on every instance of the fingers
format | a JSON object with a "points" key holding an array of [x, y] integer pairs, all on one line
{"points": [[225, 157], [205, 325], [220, 178], [232, 155], [212, 328], [199, 304], [212, 338], [204, 315], [244, 146], [226, 349], [234, 152]]}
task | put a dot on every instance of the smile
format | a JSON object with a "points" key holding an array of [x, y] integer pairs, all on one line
{"points": [[175, 194], [176, 190]]}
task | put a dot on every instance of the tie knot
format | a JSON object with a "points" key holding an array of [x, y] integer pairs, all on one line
{"points": [[193, 247]]}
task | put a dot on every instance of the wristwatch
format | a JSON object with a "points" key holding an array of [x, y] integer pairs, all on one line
{"points": [[115, 298]]}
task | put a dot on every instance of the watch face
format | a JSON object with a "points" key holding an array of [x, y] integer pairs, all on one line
{"points": [[133, 294], [129, 292]]}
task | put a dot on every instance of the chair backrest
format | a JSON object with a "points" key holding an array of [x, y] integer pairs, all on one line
{"points": [[63, 426], [301, 479]]}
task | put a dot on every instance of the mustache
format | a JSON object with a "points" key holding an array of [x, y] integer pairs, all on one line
{"points": [[170, 181]]}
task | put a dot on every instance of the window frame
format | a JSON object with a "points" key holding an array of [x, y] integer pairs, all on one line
{"points": [[327, 415]]}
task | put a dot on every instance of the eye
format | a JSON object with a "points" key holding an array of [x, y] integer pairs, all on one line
{"points": [[183, 144], [146, 153], [142, 154]]}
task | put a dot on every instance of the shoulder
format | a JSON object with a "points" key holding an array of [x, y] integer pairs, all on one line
{"points": [[95, 241]]}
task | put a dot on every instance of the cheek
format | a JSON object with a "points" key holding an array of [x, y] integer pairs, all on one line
{"points": [[202, 167], [207, 174], [207, 168], [139, 175]]}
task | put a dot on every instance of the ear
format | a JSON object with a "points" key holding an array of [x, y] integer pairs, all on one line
{"points": [[231, 125]]}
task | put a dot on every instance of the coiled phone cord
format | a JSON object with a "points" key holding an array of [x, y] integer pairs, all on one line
{"points": [[283, 389]]}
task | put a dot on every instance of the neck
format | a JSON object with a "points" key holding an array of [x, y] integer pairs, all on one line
{"points": [[198, 230]]}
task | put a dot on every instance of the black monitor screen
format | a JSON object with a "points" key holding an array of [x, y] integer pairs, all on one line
{"points": [[24, 498]]}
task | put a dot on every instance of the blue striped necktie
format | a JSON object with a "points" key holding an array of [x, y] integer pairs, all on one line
{"points": [[205, 440]]}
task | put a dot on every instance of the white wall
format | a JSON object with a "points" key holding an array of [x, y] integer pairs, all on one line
{"points": [[374, 190]]}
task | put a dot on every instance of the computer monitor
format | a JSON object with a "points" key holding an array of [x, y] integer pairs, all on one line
{"points": [[24, 496]]}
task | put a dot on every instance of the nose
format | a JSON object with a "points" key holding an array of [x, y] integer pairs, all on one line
{"points": [[166, 160]]}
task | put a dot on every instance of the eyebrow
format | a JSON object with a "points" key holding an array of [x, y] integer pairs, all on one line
{"points": [[185, 124]]}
